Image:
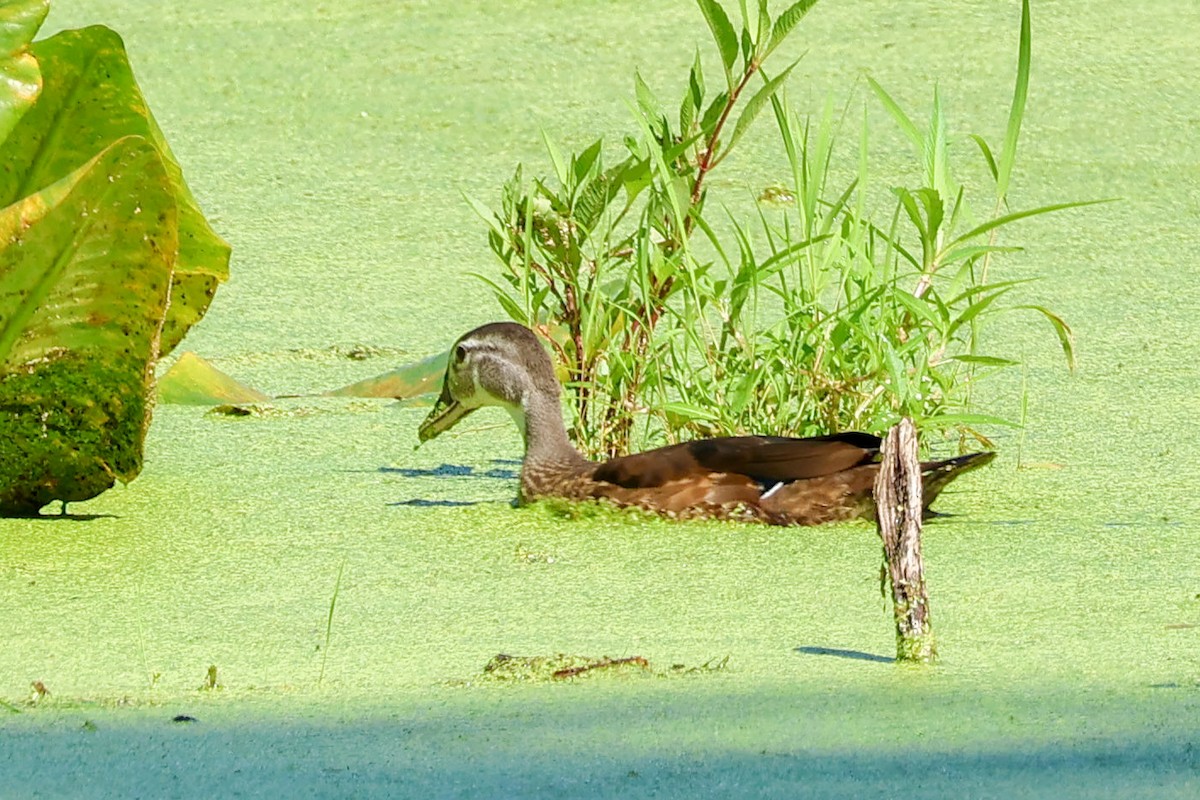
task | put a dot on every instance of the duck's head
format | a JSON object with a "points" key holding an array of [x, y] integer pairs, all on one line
{"points": [[499, 364]]}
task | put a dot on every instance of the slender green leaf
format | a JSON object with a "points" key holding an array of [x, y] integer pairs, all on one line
{"points": [[687, 113], [1066, 336], [906, 125], [1016, 113], [696, 82], [969, 252], [689, 411], [484, 213], [788, 20], [935, 210], [764, 28], [510, 306], [560, 166], [949, 420], [987, 155], [937, 171], [918, 307], [755, 105], [985, 361], [909, 203], [648, 102], [708, 122], [974, 310], [583, 163], [723, 33], [1016, 215]]}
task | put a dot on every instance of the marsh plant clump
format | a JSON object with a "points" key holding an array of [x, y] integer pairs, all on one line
{"points": [[672, 319]]}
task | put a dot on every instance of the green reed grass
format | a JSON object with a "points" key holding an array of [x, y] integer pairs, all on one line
{"points": [[337, 588], [820, 312]]}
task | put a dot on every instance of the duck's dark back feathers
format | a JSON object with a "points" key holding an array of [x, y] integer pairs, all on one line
{"points": [[765, 459]]}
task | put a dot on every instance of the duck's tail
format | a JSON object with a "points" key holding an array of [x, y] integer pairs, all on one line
{"points": [[935, 475]]}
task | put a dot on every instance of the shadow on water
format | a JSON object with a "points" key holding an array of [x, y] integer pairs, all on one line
{"points": [[854, 655], [62, 517], [464, 752], [505, 473], [455, 471]]}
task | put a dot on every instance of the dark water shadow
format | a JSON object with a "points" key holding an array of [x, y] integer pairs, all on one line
{"points": [[420, 502], [855, 655], [61, 517], [451, 471]]}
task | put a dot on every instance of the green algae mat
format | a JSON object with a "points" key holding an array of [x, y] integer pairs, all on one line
{"points": [[332, 144]]}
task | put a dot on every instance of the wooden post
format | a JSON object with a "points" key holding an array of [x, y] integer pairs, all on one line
{"points": [[898, 504]]}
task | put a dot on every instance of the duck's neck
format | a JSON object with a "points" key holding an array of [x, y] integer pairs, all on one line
{"points": [[546, 443]]}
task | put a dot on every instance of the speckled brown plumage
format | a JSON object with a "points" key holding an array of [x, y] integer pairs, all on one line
{"points": [[771, 479]]}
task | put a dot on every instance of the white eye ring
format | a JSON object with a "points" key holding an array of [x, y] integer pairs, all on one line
{"points": [[460, 353]]}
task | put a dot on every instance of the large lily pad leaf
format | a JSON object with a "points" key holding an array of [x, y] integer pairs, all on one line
{"points": [[20, 78], [193, 380], [84, 282], [89, 100]]}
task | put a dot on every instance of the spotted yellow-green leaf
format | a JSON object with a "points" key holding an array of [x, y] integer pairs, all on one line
{"points": [[20, 78], [85, 274], [90, 99]]}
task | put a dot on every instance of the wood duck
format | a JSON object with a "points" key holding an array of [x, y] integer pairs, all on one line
{"points": [[771, 479]]}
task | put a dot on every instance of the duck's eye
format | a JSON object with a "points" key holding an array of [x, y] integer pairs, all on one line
{"points": [[460, 353]]}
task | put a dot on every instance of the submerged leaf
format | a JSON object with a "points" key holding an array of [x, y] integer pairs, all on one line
{"points": [[194, 381], [406, 381]]}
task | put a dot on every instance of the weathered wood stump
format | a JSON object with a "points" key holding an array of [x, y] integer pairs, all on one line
{"points": [[898, 503]]}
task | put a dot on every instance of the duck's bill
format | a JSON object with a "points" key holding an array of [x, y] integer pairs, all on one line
{"points": [[445, 415]]}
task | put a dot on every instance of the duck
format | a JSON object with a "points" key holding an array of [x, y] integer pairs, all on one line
{"points": [[770, 479]]}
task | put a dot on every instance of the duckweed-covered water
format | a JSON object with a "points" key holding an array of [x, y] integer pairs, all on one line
{"points": [[331, 143]]}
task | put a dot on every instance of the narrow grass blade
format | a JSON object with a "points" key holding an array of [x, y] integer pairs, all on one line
{"points": [[987, 155], [1066, 336], [337, 588], [1016, 215], [1020, 92], [986, 361], [906, 125], [967, 420], [975, 309]]}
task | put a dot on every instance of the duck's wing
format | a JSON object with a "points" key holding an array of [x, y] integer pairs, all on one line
{"points": [[763, 459]]}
